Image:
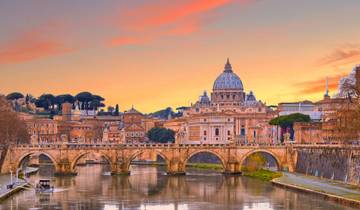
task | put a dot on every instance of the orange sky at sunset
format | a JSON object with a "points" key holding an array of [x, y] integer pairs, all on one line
{"points": [[155, 54]]}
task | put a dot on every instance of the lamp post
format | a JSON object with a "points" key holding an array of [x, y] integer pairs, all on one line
{"points": [[11, 180]]}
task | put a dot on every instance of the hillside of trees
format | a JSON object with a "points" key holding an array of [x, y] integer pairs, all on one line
{"points": [[52, 103], [165, 114]]}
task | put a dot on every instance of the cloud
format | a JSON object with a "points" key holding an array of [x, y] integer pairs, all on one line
{"points": [[343, 55], [318, 85], [33, 44], [150, 22]]}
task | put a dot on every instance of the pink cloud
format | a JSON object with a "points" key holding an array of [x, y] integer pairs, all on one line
{"points": [[342, 55], [318, 85], [33, 44], [167, 18]]}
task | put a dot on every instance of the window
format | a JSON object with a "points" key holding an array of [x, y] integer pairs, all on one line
{"points": [[204, 138], [217, 132], [242, 132], [204, 133], [204, 119], [229, 133], [254, 134]]}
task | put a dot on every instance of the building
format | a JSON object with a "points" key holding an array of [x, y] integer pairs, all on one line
{"points": [[230, 115], [134, 126], [113, 133], [304, 107], [42, 130], [327, 129]]}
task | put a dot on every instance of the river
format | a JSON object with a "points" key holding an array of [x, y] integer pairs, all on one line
{"points": [[149, 188]]}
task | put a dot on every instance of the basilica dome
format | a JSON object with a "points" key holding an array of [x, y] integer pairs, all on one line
{"points": [[228, 80]]}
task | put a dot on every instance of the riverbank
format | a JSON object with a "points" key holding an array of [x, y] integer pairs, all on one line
{"points": [[209, 166], [5, 193], [21, 184], [263, 174], [328, 189]]}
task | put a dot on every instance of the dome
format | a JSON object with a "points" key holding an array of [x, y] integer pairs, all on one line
{"points": [[250, 97], [204, 99], [228, 80]]}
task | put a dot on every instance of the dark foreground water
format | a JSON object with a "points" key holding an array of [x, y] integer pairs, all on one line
{"points": [[149, 188]]}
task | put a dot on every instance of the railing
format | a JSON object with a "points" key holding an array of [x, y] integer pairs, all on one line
{"points": [[171, 145]]}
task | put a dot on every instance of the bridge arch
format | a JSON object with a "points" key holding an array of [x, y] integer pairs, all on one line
{"points": [[82, 154], [22, 158], [219, 156], [139, 152], [272, 154]]}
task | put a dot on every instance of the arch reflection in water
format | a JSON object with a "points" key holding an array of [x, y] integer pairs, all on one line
{"points": [[137, 191]]}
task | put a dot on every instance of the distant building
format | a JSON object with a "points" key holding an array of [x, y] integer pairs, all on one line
{"points": [[326, 130], [304, 107], [134, 126], [42, 130], [230, 116], [113, 133]]}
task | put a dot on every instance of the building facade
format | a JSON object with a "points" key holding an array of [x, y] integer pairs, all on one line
{"points": [[327, 129], [134, 126], [230, 116]]}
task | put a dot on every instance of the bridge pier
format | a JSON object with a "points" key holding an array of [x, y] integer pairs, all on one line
{"points": [[120, 168], [63, 168], [175, 167], [232, 168]]}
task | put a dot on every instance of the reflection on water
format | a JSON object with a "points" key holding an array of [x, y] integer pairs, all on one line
{"points": [[149, 188]]}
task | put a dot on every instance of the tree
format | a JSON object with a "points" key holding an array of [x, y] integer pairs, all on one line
{"points": [[254, 162], [117, 110], [347, 125], [46, 101], [12, 129], [161, 135], [84, 98], [14, 96], [286, 122], [110, 109], [60, 99], [29, 99]]}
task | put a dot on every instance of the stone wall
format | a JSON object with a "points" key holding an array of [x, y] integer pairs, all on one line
{"points": [[331, 163]]}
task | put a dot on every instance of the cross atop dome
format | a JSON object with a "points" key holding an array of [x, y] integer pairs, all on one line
{"points": [[228, 67]]}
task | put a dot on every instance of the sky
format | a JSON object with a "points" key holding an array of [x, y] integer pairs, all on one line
{"points": [[160, 53]]}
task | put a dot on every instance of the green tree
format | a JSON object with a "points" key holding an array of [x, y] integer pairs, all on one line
{"points": [[286, 122], [117, 110], [84, 98], [289, 120], [14, 96], [60, 99], [161, 135], [46, 101]]}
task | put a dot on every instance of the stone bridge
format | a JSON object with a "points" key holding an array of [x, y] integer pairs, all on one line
{"points": [[119, 156]]}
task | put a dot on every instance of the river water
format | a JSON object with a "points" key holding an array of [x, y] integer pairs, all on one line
{"points": [[149, 188]]}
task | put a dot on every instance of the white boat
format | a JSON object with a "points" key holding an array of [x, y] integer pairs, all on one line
{"points": [[44, 186]]}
